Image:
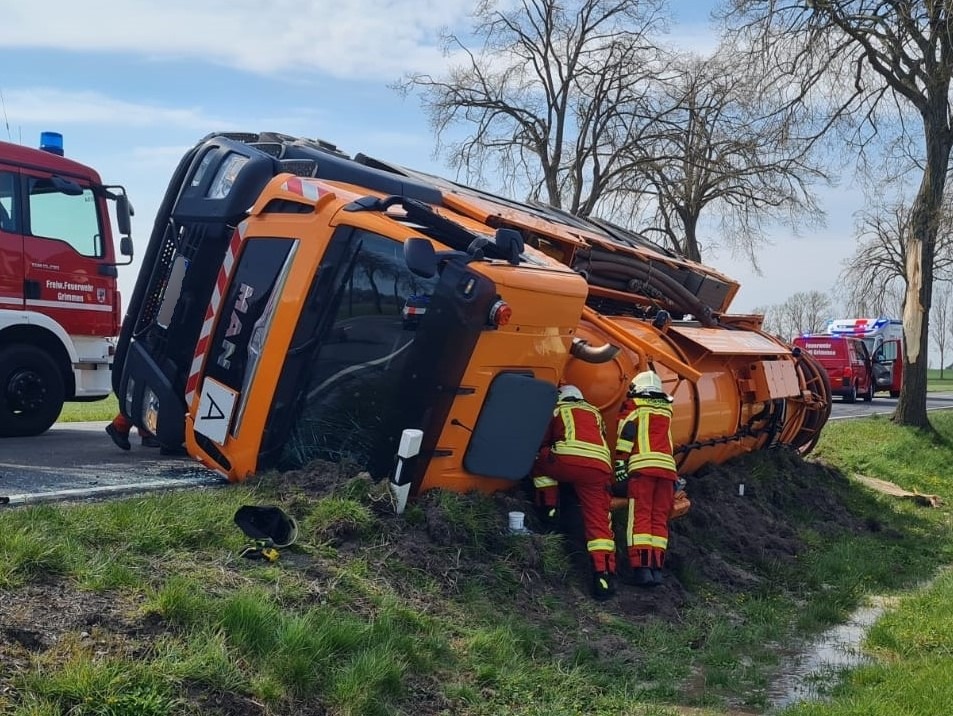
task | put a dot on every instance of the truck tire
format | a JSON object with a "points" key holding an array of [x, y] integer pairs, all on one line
{"points": [[869, 395], [894, 393], [31, 391], [851, 395]]}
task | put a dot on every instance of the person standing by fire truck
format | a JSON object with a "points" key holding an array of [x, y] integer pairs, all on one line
{"points": [[575, 451], [644, 457]]}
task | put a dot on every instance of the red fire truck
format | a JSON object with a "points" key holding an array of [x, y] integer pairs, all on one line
{"points": [[59, 303], [884, 339]]}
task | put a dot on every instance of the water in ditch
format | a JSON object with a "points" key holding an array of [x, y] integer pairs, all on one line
{"points": [[814, 669]]}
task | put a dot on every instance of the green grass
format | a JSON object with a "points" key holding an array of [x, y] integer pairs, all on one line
{"points": [[104, 409], [440, 612]]}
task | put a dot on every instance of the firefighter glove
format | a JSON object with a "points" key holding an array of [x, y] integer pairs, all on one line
{"points": [[621, 473]]}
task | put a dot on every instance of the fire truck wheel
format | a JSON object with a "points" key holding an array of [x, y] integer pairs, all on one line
{"points": [[31, 391], [851, 395]]}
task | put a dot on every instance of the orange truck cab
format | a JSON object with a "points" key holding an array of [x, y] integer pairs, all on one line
{"points": [[847, 362], [365, 312]]}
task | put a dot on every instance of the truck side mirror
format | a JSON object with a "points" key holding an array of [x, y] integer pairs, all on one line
{"points": [[124, 218], [125, 246], [510, 243], [420, 257]]}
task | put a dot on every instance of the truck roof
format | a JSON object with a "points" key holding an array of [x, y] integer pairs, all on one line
{"points": [[19, 154]]}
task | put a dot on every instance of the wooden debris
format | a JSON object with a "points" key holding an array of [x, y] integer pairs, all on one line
{"points": [[889, 488]]}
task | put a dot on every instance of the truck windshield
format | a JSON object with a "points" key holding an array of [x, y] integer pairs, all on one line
{"points": [[71, 219], [349, 410]]}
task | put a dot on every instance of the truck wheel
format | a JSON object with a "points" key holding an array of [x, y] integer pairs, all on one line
{"points": [[851, 395], [869, 395], [894, 393], [31, 391]]}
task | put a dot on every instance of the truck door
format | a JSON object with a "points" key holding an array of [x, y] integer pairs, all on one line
{"points": [[887, 368], [11, 243], [68, 270]]}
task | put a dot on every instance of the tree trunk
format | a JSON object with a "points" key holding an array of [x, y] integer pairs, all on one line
{"points": [[691, 249], [920, 250]]}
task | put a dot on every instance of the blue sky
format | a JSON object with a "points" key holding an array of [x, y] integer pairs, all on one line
{"points": [[132, 84]]}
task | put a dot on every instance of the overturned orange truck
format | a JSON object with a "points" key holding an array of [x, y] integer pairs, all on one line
{"points": [[296, 303]]}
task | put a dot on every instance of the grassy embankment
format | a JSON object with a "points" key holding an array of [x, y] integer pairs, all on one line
{"points": [[347, 621]]}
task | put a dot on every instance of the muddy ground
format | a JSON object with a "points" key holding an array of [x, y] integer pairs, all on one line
{"points": [[727, 540]]}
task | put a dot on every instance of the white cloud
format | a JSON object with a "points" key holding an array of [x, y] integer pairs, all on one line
{"points": [[356, 38], [45, 105]]}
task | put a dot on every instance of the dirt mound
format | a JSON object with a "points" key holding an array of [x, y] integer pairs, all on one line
{"points": [[745, 519]]}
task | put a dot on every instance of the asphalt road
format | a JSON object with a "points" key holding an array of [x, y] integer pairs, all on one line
{"points": [[883, 405], [79, 461]]}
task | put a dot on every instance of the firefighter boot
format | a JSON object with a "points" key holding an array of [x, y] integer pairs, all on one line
{"points": [[657, 569], [121, 440], [603, 586], [642, 577], [641, 572]]}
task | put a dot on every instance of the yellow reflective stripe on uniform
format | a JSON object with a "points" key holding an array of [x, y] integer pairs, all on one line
{"points": [[652, 459], [642, 540], [630, 523], [659, 542], [600, 545], [543, 481], [643, 456], [570, 445], [622, 444]]}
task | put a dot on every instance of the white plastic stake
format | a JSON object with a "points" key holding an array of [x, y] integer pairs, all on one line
{"points": [[410, 440]]}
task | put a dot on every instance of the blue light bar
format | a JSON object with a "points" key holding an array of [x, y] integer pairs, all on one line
{"points": [[51, 142]]}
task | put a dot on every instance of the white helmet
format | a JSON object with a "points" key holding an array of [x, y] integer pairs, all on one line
{"points": [[569, 392], [648, 383]]}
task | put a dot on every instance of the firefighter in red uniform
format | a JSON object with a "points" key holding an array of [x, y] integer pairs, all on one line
{"points": [[644, 457], [575, 451]]}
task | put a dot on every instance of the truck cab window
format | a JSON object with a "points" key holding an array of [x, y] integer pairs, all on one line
{"points": [[71, 219], [350, 397], [7, 213]]}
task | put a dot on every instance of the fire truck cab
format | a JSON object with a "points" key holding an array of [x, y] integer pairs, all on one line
{"points": [[884, 339], [59, 303]]}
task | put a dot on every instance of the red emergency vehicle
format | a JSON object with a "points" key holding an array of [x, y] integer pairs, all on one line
{"points": [[884, 339], [846, 361], [59, 303]]}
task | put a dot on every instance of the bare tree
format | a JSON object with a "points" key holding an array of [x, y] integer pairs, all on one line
{"points": [[770, 323], [725, 146], [941, 317], [802, 312], [889, 65], [874, 276], [552, 98]]}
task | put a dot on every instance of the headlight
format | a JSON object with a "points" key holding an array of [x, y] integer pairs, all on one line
{"points": [[130, 395], [150, 411], [225, 176]]}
